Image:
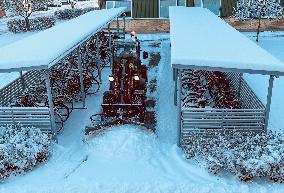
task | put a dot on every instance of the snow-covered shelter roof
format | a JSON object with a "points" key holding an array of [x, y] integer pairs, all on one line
{"points": [[201, 40], [45, 48]]}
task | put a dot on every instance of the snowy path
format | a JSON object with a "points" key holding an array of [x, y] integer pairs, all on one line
{"points": [[126, 159], [167, 111]]}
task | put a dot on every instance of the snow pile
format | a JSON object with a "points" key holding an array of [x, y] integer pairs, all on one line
{"points": [[72, 13], [132, 159], [21, 149], [119, 141], [36, 24], [245, 155]]}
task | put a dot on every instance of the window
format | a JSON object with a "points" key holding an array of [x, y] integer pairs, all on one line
{"points": [[212, 5], [126, 4], [181, 2], [197, 3], [109, 4], [164, 7], [116, 4]]}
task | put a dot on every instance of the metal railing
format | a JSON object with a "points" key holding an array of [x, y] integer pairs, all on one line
{"points": [[37, 117], [197, 120]]}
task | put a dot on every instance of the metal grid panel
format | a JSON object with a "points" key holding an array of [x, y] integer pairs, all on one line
{"points": [[251, 116], [27, 117], [9, 92]]}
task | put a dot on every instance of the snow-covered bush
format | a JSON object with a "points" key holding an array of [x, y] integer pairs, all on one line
{"points": [[247, 155], [36, 24], [21, 149], [72, 13], [255, 9], [67, 13], [258, 9], [23, 8], [88, 9]]}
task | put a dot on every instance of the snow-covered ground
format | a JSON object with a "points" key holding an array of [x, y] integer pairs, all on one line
{"points": [[273, 42], [127, 159]]}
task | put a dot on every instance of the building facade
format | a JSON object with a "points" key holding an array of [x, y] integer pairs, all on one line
{"points": [[160, 8]]}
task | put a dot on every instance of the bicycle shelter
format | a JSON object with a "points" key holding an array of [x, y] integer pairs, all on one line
{"points": [[42, 51], [202, 41]]}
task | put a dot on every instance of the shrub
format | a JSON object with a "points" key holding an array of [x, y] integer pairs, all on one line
{"points": [[72, 13], [67, 13], [88, 9], [36, 24], [247, 155], [21, 149]]}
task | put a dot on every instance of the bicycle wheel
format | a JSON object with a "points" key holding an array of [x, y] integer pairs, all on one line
{"points": [[63, 110], [58, 121]]}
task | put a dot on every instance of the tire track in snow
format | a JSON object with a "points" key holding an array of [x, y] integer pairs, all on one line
{"points": [[76, 167], [70, 150], [167, 124], [74, 131], [167, 112]]}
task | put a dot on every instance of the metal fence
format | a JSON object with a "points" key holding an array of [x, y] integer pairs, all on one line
{"points": [[241, 89], [250, 117], [9, 92], [221, 120], [38, 117]]}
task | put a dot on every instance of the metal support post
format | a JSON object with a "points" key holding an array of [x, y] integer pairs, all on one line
{"points": [[13, 117], [202, 4], [176, 86], [268, 103], [82, 87], [220, 8], [110, 47], [124, 25], [1, 100], [174, 73], [240, 85], [50, 101], [117, 25], [98, 57], [179, 108], [22, 81]]}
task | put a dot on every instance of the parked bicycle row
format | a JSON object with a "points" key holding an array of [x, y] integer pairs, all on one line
{"points": [[65, 79], [202, 89]]}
